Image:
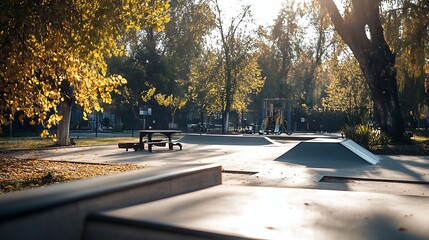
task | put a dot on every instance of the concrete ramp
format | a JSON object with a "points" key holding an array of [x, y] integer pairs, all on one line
{"points": [[225, 140], [329, 153]]}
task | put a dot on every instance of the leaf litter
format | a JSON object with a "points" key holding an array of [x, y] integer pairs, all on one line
{"points": [[19, 174]]}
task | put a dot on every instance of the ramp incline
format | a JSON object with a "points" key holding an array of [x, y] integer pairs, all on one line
{"points": [[326, 153]]}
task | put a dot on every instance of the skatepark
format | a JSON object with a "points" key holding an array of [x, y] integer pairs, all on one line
{"points": [[292, 187]]}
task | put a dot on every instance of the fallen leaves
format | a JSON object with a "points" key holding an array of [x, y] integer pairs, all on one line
{"points": [[19, 174]]}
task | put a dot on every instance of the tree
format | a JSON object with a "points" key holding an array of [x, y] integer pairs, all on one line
{"points": [[172, 102], [53, 55], [347, 91], [208, 82], [361, 29], [183, 41], [183, 38], [236, 47], [320, 41], [406, 24], [281, 47], [293, 51], [161, 60]]}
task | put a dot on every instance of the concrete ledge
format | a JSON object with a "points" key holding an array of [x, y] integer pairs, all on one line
{"points": [[248, 212], [58, 211], [301, 137]]}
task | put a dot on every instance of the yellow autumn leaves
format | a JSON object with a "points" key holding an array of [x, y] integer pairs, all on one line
{"points": [[19, 174], [347, 91], [57, 51], [208, 77], [170, 101]]}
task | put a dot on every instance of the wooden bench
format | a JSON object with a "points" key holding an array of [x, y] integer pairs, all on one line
{"points": [[162, 143], [135, 146]]}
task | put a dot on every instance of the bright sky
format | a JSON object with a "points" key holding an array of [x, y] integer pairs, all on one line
{"points": [[264, 11]]}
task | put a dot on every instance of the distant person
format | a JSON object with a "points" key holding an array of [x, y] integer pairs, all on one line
{"points": [[203, 128]]}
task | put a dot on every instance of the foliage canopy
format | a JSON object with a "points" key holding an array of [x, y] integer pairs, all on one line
{"points": [[55, 51]]}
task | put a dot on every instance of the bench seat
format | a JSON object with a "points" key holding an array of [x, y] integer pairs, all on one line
{"points": [[162, 143], [135, 146]]}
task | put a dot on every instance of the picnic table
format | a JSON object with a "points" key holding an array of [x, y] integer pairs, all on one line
{"points": [[150, 142]]}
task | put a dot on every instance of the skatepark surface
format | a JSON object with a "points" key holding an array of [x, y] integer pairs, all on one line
{"points": [[255, 160], [238, 212], [266, 192]]}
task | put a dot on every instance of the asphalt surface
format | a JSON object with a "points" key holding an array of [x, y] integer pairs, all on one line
{"points": [[255, 160], [269, 193]]}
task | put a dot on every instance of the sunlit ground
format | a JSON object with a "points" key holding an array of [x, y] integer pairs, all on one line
{"points": [[31, 143]]}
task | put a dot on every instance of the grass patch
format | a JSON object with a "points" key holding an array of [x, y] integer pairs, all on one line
{"points": [[83, 142], [37, 142], [19, 143], [418, 146], [420, 138], [24, 143]]}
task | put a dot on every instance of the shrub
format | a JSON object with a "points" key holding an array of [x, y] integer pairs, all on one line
{"points": [[366, 136], [117, 127]]}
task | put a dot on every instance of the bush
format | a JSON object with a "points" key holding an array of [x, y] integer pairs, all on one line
{"points": [[117, 127], [366, 136]]}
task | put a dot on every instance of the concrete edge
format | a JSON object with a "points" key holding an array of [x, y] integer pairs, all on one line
{"points": [[25, 202]]}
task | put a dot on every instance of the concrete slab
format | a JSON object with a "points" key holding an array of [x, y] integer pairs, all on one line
{"points": [[237, 212], [213, 139], [58, 211], [291, 210], [260, 159]]}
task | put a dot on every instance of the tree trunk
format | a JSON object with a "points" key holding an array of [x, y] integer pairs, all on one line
{"points": [[381, 78], [375, 59], [227, 109], [226, 122], [63, 130]]}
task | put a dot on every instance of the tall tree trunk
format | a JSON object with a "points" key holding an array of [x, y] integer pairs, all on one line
{"points": [[375, 59], [63, 130], [228, 98], [381, 77]]}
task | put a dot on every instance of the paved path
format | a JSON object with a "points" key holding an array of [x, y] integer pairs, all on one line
{"points": [[251, 160]]}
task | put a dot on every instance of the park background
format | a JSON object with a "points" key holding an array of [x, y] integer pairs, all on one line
{"points": [[215, 63]]}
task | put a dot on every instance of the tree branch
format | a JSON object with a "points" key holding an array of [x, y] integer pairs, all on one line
{"points": [[375, 25], [336, 17]]}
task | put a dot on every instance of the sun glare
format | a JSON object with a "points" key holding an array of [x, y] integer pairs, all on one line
{"points": [[264, 11]]}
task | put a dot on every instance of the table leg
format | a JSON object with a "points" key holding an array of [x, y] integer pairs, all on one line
{"points": [[149, 139], [141, 136], [170, 144]]}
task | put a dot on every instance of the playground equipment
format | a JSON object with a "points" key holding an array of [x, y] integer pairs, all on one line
{"points": [[275, 116]]}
